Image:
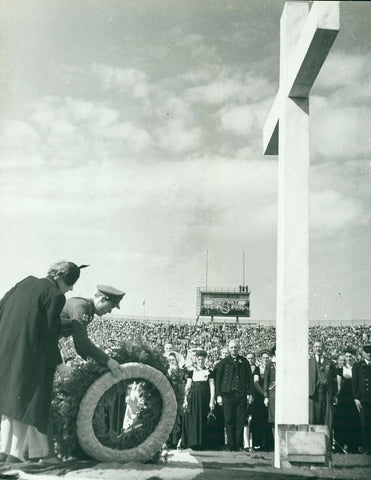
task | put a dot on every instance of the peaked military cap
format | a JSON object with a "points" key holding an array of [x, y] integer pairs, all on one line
{"points": [[112, 294], [367, 347]]}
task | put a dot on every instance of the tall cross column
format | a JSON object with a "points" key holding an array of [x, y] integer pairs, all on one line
{"points": [[306, 36]]}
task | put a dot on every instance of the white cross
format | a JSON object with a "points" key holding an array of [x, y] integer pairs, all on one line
{"points": [[306, 36]]}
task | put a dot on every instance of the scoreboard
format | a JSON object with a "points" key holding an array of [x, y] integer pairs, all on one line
{"points": [[224, 302]]}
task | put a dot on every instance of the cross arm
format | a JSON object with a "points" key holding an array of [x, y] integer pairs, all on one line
{"points": [[270, 130], [316, 39]]}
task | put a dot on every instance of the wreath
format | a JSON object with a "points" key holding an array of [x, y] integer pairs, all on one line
{"points": [[153, 434], [157, 396]]}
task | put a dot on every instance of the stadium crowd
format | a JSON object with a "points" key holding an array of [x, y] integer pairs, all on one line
{"points": [[109, 333], [195, 352]]}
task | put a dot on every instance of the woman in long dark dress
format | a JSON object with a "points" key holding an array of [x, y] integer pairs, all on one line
{"points": [[259, 419], [29, 332], [262, 434], [251, 427], [199, 400], [347, 427], [177, 377]]}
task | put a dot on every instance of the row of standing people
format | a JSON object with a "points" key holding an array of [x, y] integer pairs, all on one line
{"points": [[338, 398], [224, 407], [341, 397]]}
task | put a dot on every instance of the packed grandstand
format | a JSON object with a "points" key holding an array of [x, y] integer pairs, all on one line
{"points": [[109, 333]]}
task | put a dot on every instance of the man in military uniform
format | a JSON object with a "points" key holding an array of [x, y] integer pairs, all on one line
{"points": [[234, 387], [361, 385], [79, 312]]}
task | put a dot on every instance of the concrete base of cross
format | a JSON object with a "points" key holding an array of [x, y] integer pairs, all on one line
{"points": [[303, 445]]}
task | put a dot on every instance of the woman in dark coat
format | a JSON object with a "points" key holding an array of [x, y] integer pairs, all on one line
{"points": [[29, 353]]}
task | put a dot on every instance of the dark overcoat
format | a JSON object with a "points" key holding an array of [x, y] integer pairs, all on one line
{"points": [[361, 381], [270, 389], [29, 331], [330, 371], [224, 375]]}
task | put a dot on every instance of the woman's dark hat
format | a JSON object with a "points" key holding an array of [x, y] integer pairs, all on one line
{"points": [[112, 294], [201, 353], [69, 272], [349, 349], [263, 350]]}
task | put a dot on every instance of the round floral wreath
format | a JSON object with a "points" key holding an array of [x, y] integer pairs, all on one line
{"points": [[146, 450]]}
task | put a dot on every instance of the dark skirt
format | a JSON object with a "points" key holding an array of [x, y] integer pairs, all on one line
{"points": [[195, 434], [215, 430], [259, 421], [347, 428]]}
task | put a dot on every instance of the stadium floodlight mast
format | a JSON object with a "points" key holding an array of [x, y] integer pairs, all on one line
{"points": [[307, 33]]}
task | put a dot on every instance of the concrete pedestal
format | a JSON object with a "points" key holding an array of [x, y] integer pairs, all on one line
{"points": [[304, 445]]}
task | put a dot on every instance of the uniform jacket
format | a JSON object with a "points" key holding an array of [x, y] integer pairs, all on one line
{"points": [[269, 378], [330, 371], [75, 318], [29, 332], [224, 375], [361, 381]]}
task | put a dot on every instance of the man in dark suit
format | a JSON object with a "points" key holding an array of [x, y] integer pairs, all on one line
{"points": [[322, 388], [361, 385], [233, 388]]}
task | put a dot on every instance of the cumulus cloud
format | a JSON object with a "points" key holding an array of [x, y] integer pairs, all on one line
{"points": [[343, 70], [69, 132], [340, 107], [175, 137], [237, 119], [230, 84], [124, 80], [19, 145], [332, 212], [340, 131]]}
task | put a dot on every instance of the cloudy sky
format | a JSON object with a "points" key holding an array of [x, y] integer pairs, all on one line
{"points": [[131, 140]]}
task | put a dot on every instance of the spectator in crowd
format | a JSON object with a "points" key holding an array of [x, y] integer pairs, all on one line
{"points": [[234, 386], [361, 384], [322, 388], [199, 400], [176, 376], [341, 361], [346, 418], [248, 430], [29, 332], [262, 433], [270, 387], [169, 350], [218, 434]]}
